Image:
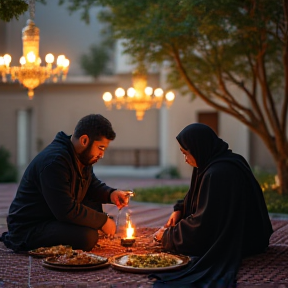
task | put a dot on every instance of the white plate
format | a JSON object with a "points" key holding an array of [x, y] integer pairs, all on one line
{"points": [[120, 262]]}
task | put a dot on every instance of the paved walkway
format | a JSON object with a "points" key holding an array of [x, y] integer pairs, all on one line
{"points": [[269, 270]]}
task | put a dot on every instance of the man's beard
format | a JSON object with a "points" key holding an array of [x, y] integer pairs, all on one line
{"points": [[86, 158]]}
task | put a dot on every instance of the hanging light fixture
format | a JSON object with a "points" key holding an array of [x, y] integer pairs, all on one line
{"points": [[140, 97], [30, 74]]}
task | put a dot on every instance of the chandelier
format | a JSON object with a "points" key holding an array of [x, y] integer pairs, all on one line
{"points": [[139, 97], [31, 74]]}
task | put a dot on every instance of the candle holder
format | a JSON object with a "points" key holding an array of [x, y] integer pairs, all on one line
{"points": [[127, 243]]}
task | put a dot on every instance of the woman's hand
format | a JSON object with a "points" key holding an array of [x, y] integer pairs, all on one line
{"points": [[174, 219], [159, 234]]}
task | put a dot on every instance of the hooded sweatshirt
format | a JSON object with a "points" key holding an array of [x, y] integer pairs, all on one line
{"points": [[53, 188]]}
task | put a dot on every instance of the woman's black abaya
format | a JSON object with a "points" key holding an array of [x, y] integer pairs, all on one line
{"points": [[224, 215]]}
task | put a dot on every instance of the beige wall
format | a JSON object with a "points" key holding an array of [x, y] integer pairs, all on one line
{"points": [[58, 107], [12, 99]]}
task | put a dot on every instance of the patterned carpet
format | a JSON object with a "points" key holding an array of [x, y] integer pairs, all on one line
{"points": [[19, 270], [269, 270]]}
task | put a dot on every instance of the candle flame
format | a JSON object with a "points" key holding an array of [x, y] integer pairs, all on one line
{"points": [[129, 231]]}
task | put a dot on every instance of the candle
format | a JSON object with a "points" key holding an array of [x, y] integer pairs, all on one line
{"points": [[129, 231]]}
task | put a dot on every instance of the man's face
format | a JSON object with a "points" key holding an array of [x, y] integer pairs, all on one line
{"points": [[189, 159], [94, 151]]}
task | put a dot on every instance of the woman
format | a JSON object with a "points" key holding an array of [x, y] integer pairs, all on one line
{"points": [[222, 218]]}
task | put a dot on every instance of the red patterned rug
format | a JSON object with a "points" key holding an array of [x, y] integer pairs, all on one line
{"points": [[19, 270]]}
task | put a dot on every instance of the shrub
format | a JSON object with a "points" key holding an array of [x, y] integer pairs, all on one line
{"points": [[169, 173], [276, 203], [94, 63], [161, 194], [8, 172]]}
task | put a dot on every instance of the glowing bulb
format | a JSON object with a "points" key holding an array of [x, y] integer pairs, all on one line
{"points": [[170, 96], [49, 58], [7, 59], [60, 60], [31, 57], [107, 97], [149, 91], [158, 92], [66, 63], [1, 60], [120, 92], [22, 60], [39, 60], [131, 92]]}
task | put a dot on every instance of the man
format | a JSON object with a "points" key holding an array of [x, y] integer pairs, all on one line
{"points": [[59, 199]]}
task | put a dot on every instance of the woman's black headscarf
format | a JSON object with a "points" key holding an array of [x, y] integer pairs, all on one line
{"points": [[202, 143], [224, 215]]}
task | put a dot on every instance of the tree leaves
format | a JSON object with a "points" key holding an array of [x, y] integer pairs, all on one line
{"points": [[95, 62], [12, 8]]}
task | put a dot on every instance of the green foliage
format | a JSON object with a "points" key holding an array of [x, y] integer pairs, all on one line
{"points": [[161, 194], [211, 40], [170, 173], [266, 179], [276, 203], [95, 62], [12, 8], [83, 5], [8, 172]]}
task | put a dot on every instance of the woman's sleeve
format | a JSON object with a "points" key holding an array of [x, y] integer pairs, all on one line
{"points": [[179, 206], [216, 202]]}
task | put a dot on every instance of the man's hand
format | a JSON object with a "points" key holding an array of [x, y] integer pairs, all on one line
{"points": [[120, 198], [174, 219], [109, 228]]}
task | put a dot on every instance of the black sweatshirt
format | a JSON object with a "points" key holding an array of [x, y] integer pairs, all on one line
{"points": [[53, 188]]}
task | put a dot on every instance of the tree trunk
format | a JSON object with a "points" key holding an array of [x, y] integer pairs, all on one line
{"points": [[282, 170]]}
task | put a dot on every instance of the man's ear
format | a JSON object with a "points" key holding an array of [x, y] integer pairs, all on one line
{"points": [[84, 140]]}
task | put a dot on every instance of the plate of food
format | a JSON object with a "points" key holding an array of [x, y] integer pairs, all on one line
{"points": [[76, 261], [51, 251], [145, 263]]}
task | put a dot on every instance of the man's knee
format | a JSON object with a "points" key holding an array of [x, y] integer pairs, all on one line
{"points": [[88, 240]]}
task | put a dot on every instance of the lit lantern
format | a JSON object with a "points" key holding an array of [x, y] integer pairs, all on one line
{"points": [[130, 239]]}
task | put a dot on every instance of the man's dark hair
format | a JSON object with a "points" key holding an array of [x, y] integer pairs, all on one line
{"points": [[95, 126]]}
